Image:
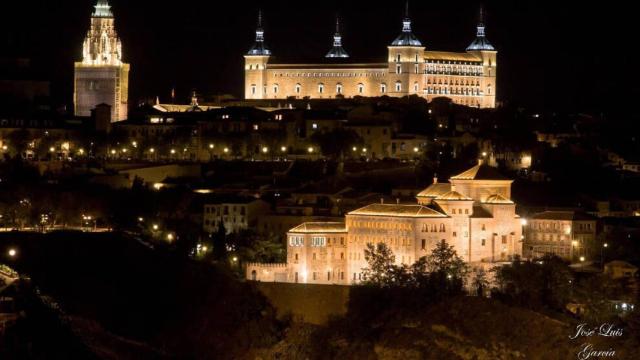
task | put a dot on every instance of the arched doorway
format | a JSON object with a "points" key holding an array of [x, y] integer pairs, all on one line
{"points": [[254, 275]]}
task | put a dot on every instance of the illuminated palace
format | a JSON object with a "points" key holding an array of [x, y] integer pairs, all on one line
{"points": [[467, 78], [472, 212], [101, 77]]}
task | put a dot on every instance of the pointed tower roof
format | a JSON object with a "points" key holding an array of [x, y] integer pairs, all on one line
{"points": [[103, 9], [259, 48], [406, 38], [481, 42], [337, 51]]}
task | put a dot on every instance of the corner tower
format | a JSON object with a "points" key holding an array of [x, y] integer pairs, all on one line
{"points": [[488, 54], [337, 51], [101, 77], [255, 67], [406, 55]]}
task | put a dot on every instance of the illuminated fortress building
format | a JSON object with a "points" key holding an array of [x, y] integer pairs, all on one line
{"points": [[467, 78], [473, 212], [101, 77]]}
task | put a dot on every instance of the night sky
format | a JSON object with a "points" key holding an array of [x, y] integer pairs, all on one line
{"points": [[551, 56]]}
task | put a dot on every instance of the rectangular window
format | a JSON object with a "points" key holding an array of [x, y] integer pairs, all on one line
{"points": [[296, 240], [424, 244], [504, 239], [483, 241], [318, 241]]}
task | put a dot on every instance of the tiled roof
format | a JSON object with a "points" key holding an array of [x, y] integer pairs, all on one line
{"points": [[397, 210], [480, 172], [453, 195], [435, 190], [320, 227], [563, 215], [497, 199]]}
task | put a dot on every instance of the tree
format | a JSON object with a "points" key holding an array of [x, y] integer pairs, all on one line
{"points": [[336, 142], [381, 270], [220, 243], [479, 282], [445, 260]]}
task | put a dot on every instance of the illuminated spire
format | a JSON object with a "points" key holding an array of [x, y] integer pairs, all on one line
{"points": [[337, 51], [101, 45], [406, 38], [259, 47], [103, 9], [481, 42]]}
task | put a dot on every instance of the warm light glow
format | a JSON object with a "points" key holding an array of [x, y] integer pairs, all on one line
{"points": [[523, 222], [574, 243], [173, 151], [134, 144], [81, 151], [12, 252], [235, 258], [152, 150], [355, 148], [484, 153], [310, 149], [205, 248], [124, 150], [283, 148], [211, 146], [226, 150], [581, 258], [415, 149], [364, 150], [169, 237], [158, 186], [113, 151], [141, 219], [4, 147], [155, 226], [605, 245], [265, 149], [52, 149]]}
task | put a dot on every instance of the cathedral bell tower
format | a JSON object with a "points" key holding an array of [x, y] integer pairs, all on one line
{"points": [[255, 67], [101, 77]]}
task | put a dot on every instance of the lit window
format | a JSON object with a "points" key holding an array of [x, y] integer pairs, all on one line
{"points": [[398, 86], [296, 240], [339, 88], [318, 241], [298, 88], [275, 88], [320, 88]]}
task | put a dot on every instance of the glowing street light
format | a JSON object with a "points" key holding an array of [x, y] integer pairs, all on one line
{"points": [[415, 149], [235, 259], [226, 150], [523, 222], [140, 219], [581, 258], [355, 148], [211, 146], [113, 152], [169, 237], [484, 154], [283, 148], [265, 150], [310, 149], [173, 151], [12, 252], [52, 149], [134, 144], [155, 226], [4, 147], [152, 150]]}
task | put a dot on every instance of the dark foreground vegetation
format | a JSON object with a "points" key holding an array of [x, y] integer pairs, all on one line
{"points": [[119, 299]]}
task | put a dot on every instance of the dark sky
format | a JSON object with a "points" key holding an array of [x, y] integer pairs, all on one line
{"points": [[552, 55]]}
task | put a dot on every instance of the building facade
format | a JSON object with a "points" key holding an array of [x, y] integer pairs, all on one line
{"points": [[101, 77], [567, 234], [467, 78], [473, 212], [233, 213]]}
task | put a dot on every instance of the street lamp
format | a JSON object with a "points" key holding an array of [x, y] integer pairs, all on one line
{"points": [[211, 146], [581, 258], [265, 150], [155, 226], [605, 245], [12, 252]]}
